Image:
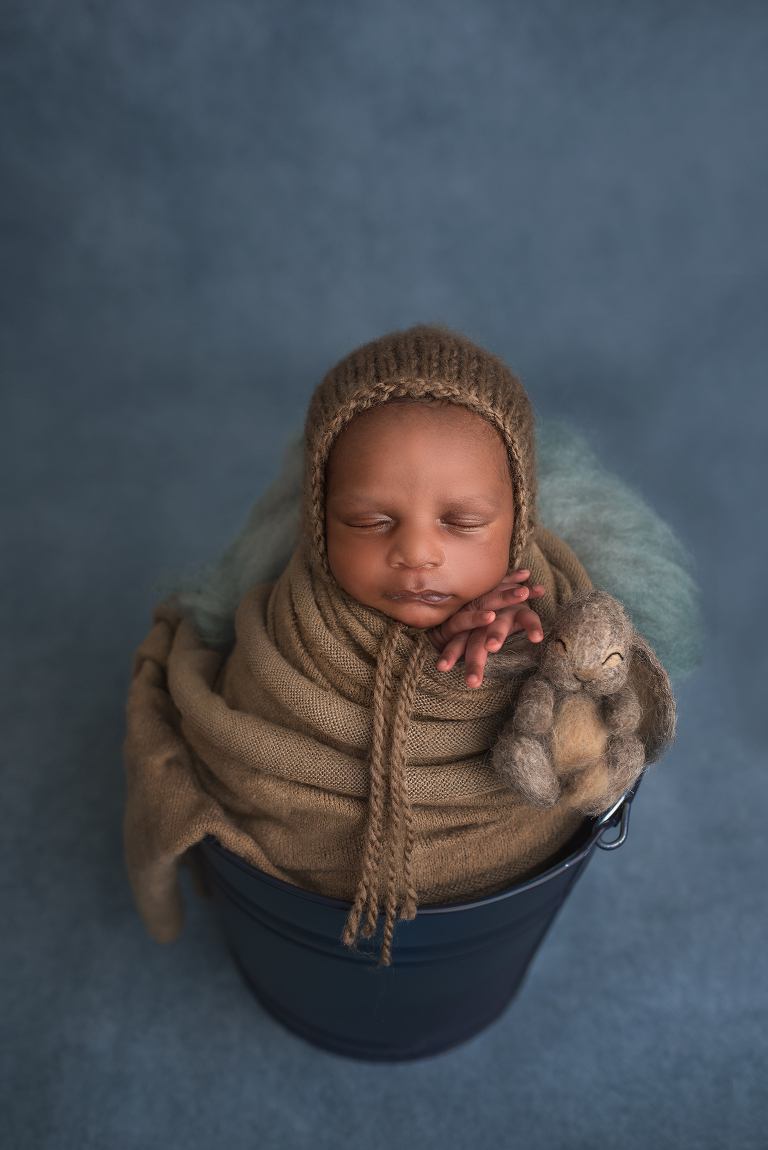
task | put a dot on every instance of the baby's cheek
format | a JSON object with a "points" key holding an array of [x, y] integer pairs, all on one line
{"points": [[482, 570], [358, 567]]}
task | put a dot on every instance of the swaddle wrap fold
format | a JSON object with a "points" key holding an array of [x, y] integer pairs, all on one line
{"points": [[270, 751]]}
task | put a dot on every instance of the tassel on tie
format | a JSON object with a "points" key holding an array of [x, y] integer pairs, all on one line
{"points": [[389, 831]]}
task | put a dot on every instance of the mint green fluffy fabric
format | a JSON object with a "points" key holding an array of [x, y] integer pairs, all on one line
{"points": [[259, 553], [624, 546]]}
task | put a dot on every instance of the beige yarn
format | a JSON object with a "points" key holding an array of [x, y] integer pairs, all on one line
{"points": [[389, 783]]}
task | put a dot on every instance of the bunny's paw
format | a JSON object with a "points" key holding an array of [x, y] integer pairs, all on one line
{"points": [[525, 767], [626, 759]]}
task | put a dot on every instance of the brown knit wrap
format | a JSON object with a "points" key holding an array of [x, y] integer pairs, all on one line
{"points": [[423, 362], [330, 752]]}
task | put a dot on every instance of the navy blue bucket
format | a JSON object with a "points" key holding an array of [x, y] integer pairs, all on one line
{"points": [[454, 968]]}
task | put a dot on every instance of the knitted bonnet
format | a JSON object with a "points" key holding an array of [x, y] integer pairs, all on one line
{"points": [[425, 362]]}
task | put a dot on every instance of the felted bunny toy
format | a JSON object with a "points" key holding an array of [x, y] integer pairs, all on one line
{"points": [[596, 709]]}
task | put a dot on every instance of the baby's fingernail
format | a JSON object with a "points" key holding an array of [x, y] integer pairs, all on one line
{"points": [[442, 662]]}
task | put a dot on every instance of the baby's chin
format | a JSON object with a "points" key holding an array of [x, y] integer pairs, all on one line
{"points": [[415, 613]]}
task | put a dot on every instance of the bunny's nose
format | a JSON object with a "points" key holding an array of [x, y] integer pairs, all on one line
{"points": [[587, 674]]}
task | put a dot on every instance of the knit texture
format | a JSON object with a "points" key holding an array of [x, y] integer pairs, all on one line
{"points": [[276, 752], [425, 362]]}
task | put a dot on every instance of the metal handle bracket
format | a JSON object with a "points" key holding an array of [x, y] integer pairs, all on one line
{"points": [[624, 805]]}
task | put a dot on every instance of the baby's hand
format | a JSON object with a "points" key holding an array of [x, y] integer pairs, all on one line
{"points": [[482, 626]]}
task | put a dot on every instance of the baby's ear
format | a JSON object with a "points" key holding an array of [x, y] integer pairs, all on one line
{"points": [[657, 702]]}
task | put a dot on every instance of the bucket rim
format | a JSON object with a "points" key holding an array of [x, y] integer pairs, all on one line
{"points": [[598, 827]]}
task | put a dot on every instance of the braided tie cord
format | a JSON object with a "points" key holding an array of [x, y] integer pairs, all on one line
{"points": [[389, 832]]}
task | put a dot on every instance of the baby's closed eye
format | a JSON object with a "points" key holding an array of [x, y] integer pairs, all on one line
{"points": [[368, 522], [463, 523]]}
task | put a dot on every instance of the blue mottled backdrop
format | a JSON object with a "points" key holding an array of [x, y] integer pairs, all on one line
{"points": [[204, 205]]}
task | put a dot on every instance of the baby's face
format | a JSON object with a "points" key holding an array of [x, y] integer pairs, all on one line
{"points": [[419, 510]]}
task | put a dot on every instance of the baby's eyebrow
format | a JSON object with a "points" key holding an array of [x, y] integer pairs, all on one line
{"points": [[481, 502], [471, 505], [355, 499], [363, 501]]}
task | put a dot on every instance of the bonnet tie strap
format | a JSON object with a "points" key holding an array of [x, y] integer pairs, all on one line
{"points": [[389, 832]]}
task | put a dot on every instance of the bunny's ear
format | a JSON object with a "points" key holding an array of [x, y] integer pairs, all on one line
{"points": [[654, 692]]}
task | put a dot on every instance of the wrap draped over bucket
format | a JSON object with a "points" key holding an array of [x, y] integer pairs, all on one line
{"points": [[270, 750]]}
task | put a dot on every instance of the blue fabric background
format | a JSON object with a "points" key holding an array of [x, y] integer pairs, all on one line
{"points": [[205, 205]]}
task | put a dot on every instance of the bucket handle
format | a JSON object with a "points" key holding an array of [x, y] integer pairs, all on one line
{"points": [[611, 817]]}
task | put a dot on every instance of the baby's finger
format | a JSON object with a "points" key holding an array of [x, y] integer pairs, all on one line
{"points": [[529, 622], [500, 598], [475, 658], [467, 619], [453, 651], [503, 625], [516, 576]]}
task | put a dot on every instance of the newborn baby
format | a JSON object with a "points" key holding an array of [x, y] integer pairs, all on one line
{"points": [[419, 518], [341, 745]]}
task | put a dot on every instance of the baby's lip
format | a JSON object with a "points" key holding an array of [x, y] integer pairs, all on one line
{"points": [[425, 596]]}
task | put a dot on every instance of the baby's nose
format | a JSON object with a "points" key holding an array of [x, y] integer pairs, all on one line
{"points": [[587, 674], [414, 548]]}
